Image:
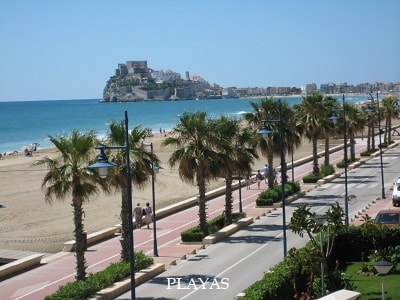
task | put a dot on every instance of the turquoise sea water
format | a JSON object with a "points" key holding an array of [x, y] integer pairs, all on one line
{"points": [[25, 122]]}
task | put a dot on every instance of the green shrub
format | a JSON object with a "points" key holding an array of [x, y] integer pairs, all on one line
{"points": [[268, 194], [366, 153], [383, 145], [274, 284], [311, 178], [264, 201], [194, 234], [295, 186], [274, 194], [327, 170], [95, 282], [349, 161]]}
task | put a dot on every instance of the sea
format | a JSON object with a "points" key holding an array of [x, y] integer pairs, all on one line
{"points": [[23, 123]]}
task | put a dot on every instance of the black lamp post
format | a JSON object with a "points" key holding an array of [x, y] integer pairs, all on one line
{"points": [[154, 170], [334, 118], [380, 139], [238, 148], [103, 164], [265, 132]]}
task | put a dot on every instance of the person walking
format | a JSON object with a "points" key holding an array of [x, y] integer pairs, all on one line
{"points": [[148, 214], [259, 178], [265, 171], [137, 213], [248, 181]]}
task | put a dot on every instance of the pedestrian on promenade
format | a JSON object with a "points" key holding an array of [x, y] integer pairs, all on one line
{"points": [[148, 214], [265, 171], [137, 213], [247, 181], [275, 177], [259, 178]]}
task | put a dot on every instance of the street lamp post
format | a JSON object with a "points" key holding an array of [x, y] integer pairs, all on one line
{"points": [[154, 169], [102, 164], [334, 118], [380, 140], [240, 194], [264, 132], [238, 148], [320, 221], [383, 267]]}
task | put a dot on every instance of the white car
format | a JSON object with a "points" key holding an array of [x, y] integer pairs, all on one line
{"points": [[396, 193]]}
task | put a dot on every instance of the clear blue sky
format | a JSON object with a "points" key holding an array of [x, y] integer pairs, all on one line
{"points": [[69, 49]]}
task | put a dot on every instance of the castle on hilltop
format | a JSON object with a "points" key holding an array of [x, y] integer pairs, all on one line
{"points": [[135, 81]]}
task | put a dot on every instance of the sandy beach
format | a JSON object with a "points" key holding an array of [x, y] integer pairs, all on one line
{"points": [[29, 223]]}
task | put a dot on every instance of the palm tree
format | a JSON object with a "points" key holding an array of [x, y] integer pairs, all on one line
{"points": [[329, 103], [235, 157], [69, 175], [371, 115], [266, 109], [389, 104], [310, 119], [355, 122], [141, 162], [198, 161]]}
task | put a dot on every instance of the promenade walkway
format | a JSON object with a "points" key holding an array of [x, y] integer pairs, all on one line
{"points": [[59, 269]]}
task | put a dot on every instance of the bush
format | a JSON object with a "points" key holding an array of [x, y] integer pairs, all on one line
{"points": [[311, 178], [366, 153], [274, 285], [295, 186], [327, 170], [194, 234], [274, 194], [341, 163], [264, 201], [95, 282], [383, 145]]}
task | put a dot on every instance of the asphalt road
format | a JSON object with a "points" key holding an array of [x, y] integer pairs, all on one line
{"points": [[223, 270]]}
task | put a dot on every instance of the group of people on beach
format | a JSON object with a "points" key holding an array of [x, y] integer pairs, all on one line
{"points": [[139, 213]]}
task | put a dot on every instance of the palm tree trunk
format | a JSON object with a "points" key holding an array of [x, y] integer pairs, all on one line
{"points": [[389, 129], [201, 184], [228, 200], [352, 146], [124, 240], [326, 162], [369, 138], [373, 137], [271, 169], [80, 242], [315, 155]]}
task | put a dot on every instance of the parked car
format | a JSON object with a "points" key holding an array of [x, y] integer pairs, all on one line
{"points": [[390, 217], [396, 193]]}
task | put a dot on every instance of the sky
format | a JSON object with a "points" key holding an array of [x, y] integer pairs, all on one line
{"points": [[56, 49]]}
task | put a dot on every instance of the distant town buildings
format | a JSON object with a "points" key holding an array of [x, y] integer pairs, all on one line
{"points": [[134, 81]]}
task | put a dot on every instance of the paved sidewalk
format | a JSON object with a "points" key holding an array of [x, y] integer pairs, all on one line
{"points": [[59, 269]]}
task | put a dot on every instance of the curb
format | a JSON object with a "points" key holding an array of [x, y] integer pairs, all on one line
{"points": [[123, 286]]}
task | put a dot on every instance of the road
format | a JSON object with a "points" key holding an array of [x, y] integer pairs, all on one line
{"points": [[223, 270]]}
